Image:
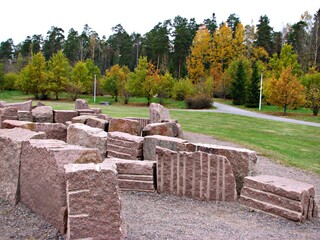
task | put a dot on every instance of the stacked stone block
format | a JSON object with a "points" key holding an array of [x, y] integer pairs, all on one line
{"points": [[42, 114], [280, 196], [135, 175], [63, 116], [125, 146], [94, 207], [42, 176], [242, 160], [11, 141], [83, 135], [8, 113], [125, 125], [142, 121], [150, 144], [9, 124], [196, 175], [21, 106], [25, 116]]}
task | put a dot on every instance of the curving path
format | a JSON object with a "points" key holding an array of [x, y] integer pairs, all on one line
{"points": [[224, 108]]}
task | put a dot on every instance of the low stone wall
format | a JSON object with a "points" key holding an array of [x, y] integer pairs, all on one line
{"points": [[93, 202], [280, 196], [196, 175]]}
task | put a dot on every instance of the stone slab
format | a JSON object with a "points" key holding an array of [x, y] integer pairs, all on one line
{"points": [[63, 116]]}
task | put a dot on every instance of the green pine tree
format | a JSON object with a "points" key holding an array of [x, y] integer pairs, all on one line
{"points": [[253, 92], [238, 85]]}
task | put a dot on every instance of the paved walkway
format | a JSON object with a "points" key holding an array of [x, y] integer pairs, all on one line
{"points": [[237, 111]]}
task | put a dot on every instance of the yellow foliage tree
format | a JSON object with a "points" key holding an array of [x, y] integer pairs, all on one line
{"points": [[238, 42], [285, 92], [199, 61]]}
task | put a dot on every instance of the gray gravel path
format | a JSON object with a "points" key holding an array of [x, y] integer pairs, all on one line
{"points": [[224, 108]]}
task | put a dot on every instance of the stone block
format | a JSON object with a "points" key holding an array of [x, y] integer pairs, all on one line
{"points": [[169, 129], [81, 119], [151, 142], [53, 130], [196, 175], [83, 135], [82, 112], [81, 104], [124, 145], [98, 123], [242, 160], [42, 114], [10, 151], [279, 196], [158, 113], [63, 116], [8, 113], [94, 206], [8, 124], [21, 106], [125, 125], [43, 180], [25, 116]]}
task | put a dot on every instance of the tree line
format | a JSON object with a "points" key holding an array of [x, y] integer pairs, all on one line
{"points": [[179, 55]]}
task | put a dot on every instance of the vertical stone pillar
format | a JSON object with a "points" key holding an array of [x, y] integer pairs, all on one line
{"points": [[93, 202]]}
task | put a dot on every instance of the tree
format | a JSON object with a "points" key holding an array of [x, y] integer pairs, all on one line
{"points": [[53, 42], [6, 50], [164, 86], [264, 35], [252, 91], [285, 92], [232, 22], [199, 61], [211, 24], [316, 40], [311, 82], [9, 81], [34, 77], [115, 82], [71, 47], [80, 80], [60, 73], [238, 83]]}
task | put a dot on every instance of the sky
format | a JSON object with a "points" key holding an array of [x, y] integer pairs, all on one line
{"points": [[22, 18]]}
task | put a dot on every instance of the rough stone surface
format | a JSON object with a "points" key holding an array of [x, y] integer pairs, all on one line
{"points": [[135, 175], [151, 142], [63, 116], [98, 123], [242, 160], [42, 176], [8, 113], [53, 130], [25, 116], [283, 197], [10, 150], [169, 129], [82, 119], [158, 113], [81, 104], [82, 112], [124, 145], [94, 206], [125, 125], [142, 121], [83, 135], [21, 106], [196, 175], [8, 124], [42, 114]]}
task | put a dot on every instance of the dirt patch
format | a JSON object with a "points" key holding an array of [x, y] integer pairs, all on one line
{"points": [[154, 216]]}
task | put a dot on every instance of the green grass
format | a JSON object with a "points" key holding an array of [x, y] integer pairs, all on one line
{"points": [[291, 144]]}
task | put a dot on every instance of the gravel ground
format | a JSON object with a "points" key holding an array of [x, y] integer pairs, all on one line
{"points": [[154, 216]]}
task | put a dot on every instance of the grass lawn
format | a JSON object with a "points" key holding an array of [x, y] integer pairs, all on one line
{"points": [[291, 144]]}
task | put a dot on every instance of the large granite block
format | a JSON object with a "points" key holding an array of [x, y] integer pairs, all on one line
{"points": [[283, 197], [53, 130], [63, 116], [83, 135], [9, 124], [151, 142], [42, 176], [10, 152], [125, 125], [42, 114], [196, 175], [94, 206]]}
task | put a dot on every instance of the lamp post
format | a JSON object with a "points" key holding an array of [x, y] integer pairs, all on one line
{"points": [[260, 99]]}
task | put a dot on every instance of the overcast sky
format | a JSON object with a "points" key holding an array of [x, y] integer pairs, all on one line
{"points": [[20, 18]]}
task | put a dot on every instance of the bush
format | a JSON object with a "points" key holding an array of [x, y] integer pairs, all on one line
{"points": [[199, 102], [182, 89]]}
